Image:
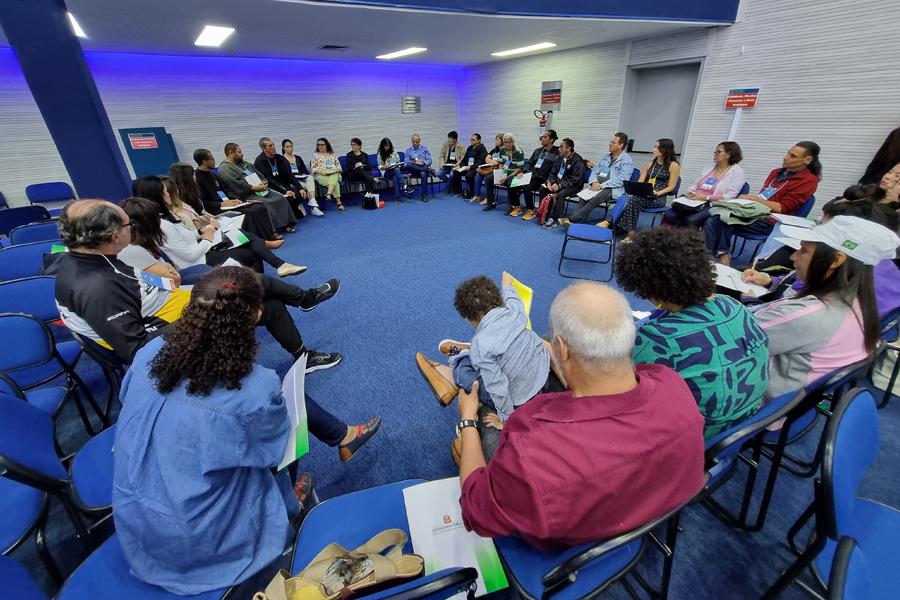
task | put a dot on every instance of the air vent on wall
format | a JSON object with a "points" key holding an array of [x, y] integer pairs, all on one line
{"points": [[334, 48]]}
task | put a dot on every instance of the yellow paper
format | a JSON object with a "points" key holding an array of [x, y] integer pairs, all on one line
{"points": [[525, 294]]}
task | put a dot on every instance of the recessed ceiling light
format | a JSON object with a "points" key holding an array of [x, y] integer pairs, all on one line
{"points": [[400, 53], [213, 35], [523, 50], [76, 28]]}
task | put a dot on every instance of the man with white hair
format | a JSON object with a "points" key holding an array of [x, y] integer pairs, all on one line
{"points": [[621, 447], [418, 162]]}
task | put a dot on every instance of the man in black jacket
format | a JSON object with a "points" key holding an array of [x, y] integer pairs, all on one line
{"points": [[566, 179], [539, 165], [103, 299], [277, 170], [467, 166]]}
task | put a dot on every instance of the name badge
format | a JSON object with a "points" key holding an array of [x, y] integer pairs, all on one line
{"points": [[274, 171], [768, 192], [248, 172], [562, 171], [538, 164], [711, 181], [329, 164], [222, 195], [604, 174], [507, 164], [496, 155], [471, 161], [453, 156], [652, 181], [294, 168]]}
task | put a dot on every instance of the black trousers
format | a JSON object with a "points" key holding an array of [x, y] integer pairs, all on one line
{"points": [[252, 254], [530, 190], [277, 295], [256, 221], [362, 176], [584, 208]]}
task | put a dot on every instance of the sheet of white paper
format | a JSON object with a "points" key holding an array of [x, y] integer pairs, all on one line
{"points": [[241, 205], [640, 314], [484, 165], [230, 262], [688, 202], [252, 179], [217, 237], [519, 180], [293, 388], [587, 193], [231, 223], [439, 536], [499, 175], [793, 220], [731, 279]]}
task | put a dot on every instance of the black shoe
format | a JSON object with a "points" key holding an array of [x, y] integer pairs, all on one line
{"points": [[316, 361], [324, 292], [490, 206]]}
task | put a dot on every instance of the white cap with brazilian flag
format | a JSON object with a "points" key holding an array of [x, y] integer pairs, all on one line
{"points": [[865, 241]]}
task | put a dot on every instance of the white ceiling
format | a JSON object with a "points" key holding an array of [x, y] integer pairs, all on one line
{"points": [[295, 29]]}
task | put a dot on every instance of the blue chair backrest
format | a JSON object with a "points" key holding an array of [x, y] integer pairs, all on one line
{"points": [[34, 232], [34, 296], [745, 189], [26, 438], [402, 156], [851, 444], [54, 191], [849, 577], [343, 161], [23, 260], [729, 442], [373, 160], [635, 174], [618, 209], [807, 207], [13, 217], [16, 581], [677, 187], [33, 342]]}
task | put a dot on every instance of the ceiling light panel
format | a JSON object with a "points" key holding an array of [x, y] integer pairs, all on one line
{"points": [[524, 49], [400, 53], [213, 36]]}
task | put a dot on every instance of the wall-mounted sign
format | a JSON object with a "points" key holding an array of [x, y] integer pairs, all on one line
{"points": [[742, 98], [142, 141], [551, 95], [410, 104]]}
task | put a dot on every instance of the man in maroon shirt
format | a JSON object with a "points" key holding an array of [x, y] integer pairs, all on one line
{"points": [[785, 191], [622, 447]]}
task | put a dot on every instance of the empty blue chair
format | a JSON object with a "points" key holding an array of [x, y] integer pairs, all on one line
{"points": [[13, 217], [849, 576], [106, 575], [23, 260], [34, 232], [57, 193], [591, 234]]}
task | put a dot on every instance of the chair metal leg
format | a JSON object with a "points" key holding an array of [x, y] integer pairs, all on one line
{"points": [[798, 525], [890, 386], [794, 571], [47, 558]]}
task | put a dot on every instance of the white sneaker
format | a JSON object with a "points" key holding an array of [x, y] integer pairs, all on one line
{"points": [[302, 209], [316, 212], [287, 269]]}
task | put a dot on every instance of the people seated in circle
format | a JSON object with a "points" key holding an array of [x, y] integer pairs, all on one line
{"points": [[509, 158], [451, 152], [661, 172], [711, 340], [620, 448], [234, 172], [607, 177], [474, 157], [566, 179], [785, 191], [327, 170], [359, 167], [277, 171], [540, 164], [303, 177], [203, 191], [196, 500], [509, 361], [724, 180], [187, 246], [491, 164], [832, 322], [418, 161], [391, 168]]}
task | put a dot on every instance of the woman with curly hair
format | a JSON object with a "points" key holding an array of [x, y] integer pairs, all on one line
{"points": [[196, 501], [711, 340]]}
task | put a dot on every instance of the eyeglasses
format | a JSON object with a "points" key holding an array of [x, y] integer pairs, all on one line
{"points": [[719, 152], [129, 224]]}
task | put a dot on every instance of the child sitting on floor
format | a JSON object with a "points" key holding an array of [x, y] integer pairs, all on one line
{"points": [[510, 361]]}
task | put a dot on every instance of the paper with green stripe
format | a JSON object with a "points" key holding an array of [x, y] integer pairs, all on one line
{"points": [[293, 388], [439, 536]]}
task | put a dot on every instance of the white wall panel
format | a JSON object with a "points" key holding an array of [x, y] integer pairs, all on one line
{"points": [[679, 46]]}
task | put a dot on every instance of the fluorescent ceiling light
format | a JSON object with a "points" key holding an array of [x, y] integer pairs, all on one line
{"points": [[213, 36], [76, 28], [400, 53], [532, 48]]}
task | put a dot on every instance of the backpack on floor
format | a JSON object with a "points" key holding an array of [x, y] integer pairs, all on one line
{"points": [[370, 202], [545, 208]]}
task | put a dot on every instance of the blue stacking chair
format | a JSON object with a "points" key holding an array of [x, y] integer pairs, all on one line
{"points": [[34, 232], [23, 514], [591, 234], [849, 575], [890, 329], [23, 260], [16, 582], [35, 361], [760, 238], [106, 575], [661, 210], [13, 217], [57, 193], [384, 508], [851, 445]]}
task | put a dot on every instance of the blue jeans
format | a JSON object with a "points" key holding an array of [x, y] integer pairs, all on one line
{"points": [[191, 275], [420, 172], [395, 176], [465, 375], [479, 181], [444, 174], [719, 234]]}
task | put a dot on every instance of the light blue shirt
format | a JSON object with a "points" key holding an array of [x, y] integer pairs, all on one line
{"points": [[618, 171], [421, 154], [195, 502]]}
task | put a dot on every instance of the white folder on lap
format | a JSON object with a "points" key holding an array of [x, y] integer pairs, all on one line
{"points": [[499, 175], [587, 193]]}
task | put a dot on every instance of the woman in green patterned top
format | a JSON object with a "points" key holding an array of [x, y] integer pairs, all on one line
{"points": [[510, 158], [712, 341]]}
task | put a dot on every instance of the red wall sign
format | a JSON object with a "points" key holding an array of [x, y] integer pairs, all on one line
{"points": [[142, 141], [742, 98]]}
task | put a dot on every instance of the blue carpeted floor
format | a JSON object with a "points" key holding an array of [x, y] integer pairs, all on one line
{"points": [[399, 267]]}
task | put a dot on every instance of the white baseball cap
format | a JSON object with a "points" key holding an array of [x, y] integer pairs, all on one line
{"points": [[866, 241]]}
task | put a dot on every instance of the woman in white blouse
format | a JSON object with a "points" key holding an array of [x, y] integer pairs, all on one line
{"points": [[185, 248], [724, 180]]}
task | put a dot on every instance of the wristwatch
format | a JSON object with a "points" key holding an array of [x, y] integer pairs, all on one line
{"points": [[463, 424]]}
